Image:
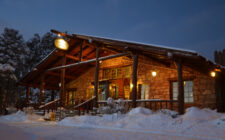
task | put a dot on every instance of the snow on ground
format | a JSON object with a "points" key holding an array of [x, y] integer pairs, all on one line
{"points": [[20, 116], [139, 123], [12, 133]]}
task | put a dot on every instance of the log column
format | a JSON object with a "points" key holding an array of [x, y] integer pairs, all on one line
{"points": [[107, 90], [134, 79], [62, 89], [27, 96], [42, 89], [96, 76], [180, 87]]}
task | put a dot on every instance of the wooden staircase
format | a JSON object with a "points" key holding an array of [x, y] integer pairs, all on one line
{"points": [[86, 107]]}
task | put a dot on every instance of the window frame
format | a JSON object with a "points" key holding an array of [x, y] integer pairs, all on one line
{"points": [[184, 80]]}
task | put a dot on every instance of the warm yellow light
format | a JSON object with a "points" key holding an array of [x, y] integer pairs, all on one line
{"points": [[131, 85], [213, 74], [61, 44], [154, 73]]}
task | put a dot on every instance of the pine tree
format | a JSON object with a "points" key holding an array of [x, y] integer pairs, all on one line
{"points": [[34, 57], [13, 52], [39, 48]]}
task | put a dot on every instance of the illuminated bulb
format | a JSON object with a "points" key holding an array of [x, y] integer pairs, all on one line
{"points": [[154, 73], [61, 44], [213, 74], [131, 85]]}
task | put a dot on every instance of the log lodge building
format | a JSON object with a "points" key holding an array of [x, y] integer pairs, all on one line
{"points": [[95, 68]]}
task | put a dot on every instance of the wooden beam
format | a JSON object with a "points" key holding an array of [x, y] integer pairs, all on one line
{"points": [[90, 54], [87, 61], [58, 74], [67, 56], [134, 79], [62, 89], [166, 64], [96, 75], [180, 87]]}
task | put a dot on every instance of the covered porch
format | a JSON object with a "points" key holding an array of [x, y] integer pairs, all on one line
{"points": [[94, 69]]}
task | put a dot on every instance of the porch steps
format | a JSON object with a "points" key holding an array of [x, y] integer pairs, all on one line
{"points": [[39, 112]]}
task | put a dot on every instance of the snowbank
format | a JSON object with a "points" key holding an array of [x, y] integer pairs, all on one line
{"points": [[195, 122], [20, 116]]}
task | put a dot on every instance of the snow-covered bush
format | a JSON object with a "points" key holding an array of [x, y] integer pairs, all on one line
{"points": [[29, 110], [112, 107]]}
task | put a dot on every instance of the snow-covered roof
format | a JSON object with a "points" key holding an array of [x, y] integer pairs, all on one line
{"points": [[162, 54]]}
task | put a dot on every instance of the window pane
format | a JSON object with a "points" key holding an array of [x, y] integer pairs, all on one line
{"points": [[127, 72], [146, 92], [188, 91], [191, 100], [119, 73], [113, 73]]}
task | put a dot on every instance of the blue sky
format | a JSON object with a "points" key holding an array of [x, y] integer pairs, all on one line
{"points": [[191, 24]]}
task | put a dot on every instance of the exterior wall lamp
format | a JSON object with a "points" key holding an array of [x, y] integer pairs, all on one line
{"points": [[154, 73], [61, 43], [213, 74]]}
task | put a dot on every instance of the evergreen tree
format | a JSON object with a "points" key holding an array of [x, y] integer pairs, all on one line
{"points": [[34, 57], [39, 48], [13, 52]]}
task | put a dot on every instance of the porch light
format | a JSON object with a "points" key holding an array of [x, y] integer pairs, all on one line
{"points": [[154, 73], [61, 43], [213, 74], [131, 85]]}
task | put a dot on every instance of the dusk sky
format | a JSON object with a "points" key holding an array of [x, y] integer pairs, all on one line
{"points": [[191, 24]]}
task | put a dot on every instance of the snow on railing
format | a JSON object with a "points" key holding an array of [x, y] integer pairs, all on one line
{"points": [[85, 102], [49, 103]]}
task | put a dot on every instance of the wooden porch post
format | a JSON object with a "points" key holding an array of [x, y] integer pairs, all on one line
{"points": [[134, 79], [107, 90], [42, 89], [27, 95], [220, 91], [180, 88], [62, 89], [96, 76]]}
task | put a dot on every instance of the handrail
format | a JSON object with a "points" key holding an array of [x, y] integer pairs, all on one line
{"points": [[141, 100], [81, 104], [149, 103], [48, 104]]}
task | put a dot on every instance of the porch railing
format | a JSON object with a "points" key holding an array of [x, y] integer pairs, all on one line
{"points": [[153, 104], [85, 106], [53, 105]]}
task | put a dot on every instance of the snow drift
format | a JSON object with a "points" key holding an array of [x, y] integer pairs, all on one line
{"points": [[20, 116], [195, 122]]}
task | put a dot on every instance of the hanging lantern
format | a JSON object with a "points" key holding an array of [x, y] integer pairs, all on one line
{"points": [[61, 43]]}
